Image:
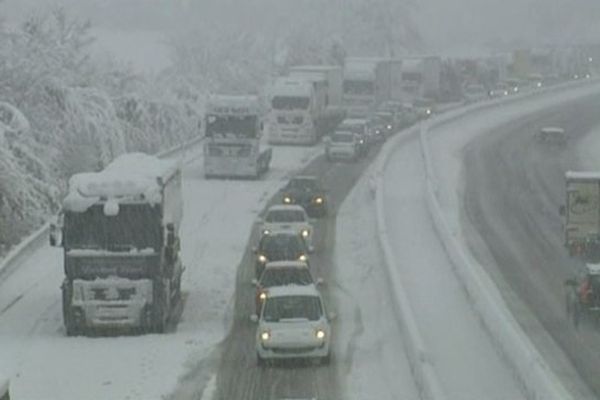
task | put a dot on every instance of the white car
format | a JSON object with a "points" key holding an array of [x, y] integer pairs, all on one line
{"points": [[293, 323], [342, 145], [291, 217]]}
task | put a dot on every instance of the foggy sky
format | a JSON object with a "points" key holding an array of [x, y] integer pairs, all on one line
{"points": [[444, 24]]}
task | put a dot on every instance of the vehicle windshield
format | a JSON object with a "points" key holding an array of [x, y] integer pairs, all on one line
{"points": [[285, 276], [245, 126], [303, 184], [292, 307], [352, 127], [282, 247], [285, 216], [342, 137], [290, 103], [359, 87], [135, 227]]}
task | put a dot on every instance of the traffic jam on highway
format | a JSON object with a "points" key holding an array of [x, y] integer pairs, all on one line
{"points": [[119, 228]]}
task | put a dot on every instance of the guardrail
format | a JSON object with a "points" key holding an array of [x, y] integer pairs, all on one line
{"points": [[530, 367], [38, 238], [533, 373]]}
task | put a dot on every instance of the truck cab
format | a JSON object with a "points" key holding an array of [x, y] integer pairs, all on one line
{"points": [[119, 233], [233, 130]]}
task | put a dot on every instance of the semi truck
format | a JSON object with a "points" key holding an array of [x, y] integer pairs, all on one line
{"points": [[333, 113], [368, 82], [232, 145], [421, 78], [581, 214], [297, 112], [118, 229]]}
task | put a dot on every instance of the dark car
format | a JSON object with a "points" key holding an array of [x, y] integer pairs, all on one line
{"points": [[279, 246], [361, 128], [307, 192]]}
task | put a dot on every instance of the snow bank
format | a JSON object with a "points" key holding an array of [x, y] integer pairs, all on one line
{"points": [[424, 374], [538, 379]]}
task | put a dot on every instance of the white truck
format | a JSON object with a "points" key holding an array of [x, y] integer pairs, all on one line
{"points": [[333, 113], [582, 215], [297, 112], [421, 78], [119, 233], [367, 83], [233, 129]]}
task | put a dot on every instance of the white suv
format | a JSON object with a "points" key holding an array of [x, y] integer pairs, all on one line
{"points": [[342, 145], [288, 217], [293, 324]]}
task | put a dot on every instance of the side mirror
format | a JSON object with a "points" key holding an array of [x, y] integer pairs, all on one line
{"points": [[254, 282], [55, 236], [254, 318], [562, 211]]}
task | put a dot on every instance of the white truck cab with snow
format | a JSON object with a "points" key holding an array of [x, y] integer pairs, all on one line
{"points": [[233, 131], [297, 107], [121, 246]]}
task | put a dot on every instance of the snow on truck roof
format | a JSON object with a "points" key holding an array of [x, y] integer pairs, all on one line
{"points": [[226, 104], [291, 87], [128, 176], [552, 129], [582, 175], [293, 290]]}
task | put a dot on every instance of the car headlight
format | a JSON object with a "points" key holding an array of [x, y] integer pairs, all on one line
{"points": [[305, 233], [320, 334], [303, 257], [428, 111], [506, 92], [515, 89], [265, 336], [287, 199], [319, 200], [266, 232], [389, 127], [262, 259], [262, 296], [539, 84], [361, 141]]}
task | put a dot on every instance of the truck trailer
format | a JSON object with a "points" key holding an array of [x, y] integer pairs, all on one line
{"points": [[119, 232]]}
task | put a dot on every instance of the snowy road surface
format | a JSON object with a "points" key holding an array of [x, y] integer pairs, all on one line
{"points": [[45, 364], [514, 187]]}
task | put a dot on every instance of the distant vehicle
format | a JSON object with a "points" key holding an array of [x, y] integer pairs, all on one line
{"points": [[288, 217], [551, 135], [279, 246], [4, 388], [282, 273], [342, 145], [500, 90], [233, 132], [121, 246], [293, 323], [583, 296], [536, 80], [514, 86], [360, 127], [382, 125], [367, 83], [425, 107], [475, 92], [307, 192], [581, 214], [297, 111]]}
